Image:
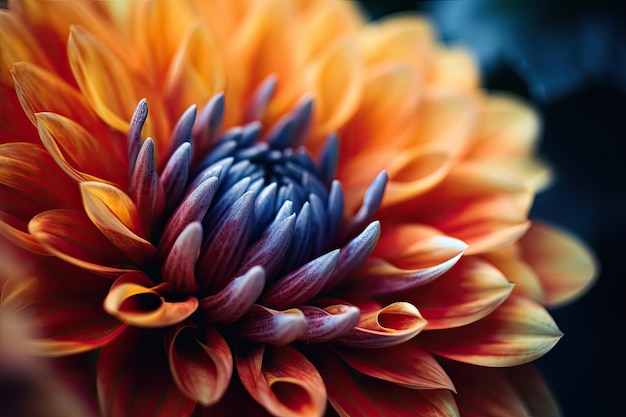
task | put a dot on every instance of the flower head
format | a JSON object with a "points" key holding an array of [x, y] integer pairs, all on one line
{"points": [[269, 206]]}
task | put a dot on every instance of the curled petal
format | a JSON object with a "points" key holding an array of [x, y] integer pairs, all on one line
{"points": [[175, 175], [282, 380], [329, 323], [134, 299], [517, 332], [371, 202], [60, 303], [302, 284], [384, 327], [235, 299], [467, 293], [200, 362], [353, 394], [135, 139], [71, 236], [564, 265], [179, 267], [117, 217], [406, 364], [264, 325], [407, 256], [134, 380], [208, 124]]}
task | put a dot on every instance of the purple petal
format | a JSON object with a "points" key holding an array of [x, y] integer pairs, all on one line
{"points": [[334, 209], [235, 299], [144, 184], [226, 244], [354, 254], [329, 158], [208, 124], [182, 131], [271, 248], [329, 323], [260, 98], [175, 175], [264, 325], [371, 202], [192, 209], [134, 131], [302, 284], [302, 120], [180, 264]]}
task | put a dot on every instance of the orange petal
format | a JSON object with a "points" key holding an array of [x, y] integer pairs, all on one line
{"points": [[71, 236], [352, 394], [200, 362], [406, 364], [17, 44], [134, 299], [117, 217], [282, 380], [134, 379], [517, 392], [563, 264], [407, 255], [336, 82], [507, 127], [61, 304], [465, 294], [453, 68], [519, 331], [112, 89], [73, 148], [193, 78], [384, 327]]}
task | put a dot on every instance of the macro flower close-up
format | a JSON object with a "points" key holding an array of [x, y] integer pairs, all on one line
{"points": [[274, 207]]}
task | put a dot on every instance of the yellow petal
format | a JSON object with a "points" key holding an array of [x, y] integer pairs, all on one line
{"points": [[564, 265], [517, 332], [453, 68]]}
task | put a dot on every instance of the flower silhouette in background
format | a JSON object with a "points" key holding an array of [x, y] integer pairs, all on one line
{"points": [[268, 207]]}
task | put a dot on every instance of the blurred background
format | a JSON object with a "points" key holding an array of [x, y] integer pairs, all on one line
{"points": [[568, 58]]}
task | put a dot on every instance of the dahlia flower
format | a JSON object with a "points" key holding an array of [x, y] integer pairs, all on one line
{"points": [[276, 208]]}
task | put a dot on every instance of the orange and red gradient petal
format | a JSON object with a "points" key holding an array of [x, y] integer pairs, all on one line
{"points": [[381, 327], [134, 379], [465, 294], [59, 298], [490, 392], [282, 380], [72, 237], [117, 217], [563, 264], [135, 299], [517, 332], [354, 395], [200, 361], [406, 364], [407, 256]]}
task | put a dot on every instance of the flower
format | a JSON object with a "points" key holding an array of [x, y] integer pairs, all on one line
{"points": [[267, 206]]}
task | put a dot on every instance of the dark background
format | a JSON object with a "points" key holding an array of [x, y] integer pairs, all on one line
{"points": [[577, 51]]}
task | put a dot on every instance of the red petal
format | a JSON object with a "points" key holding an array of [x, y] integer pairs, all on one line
{"points": [[517, 332], [71, 236], [465, 294], [356, 395], [265, 325], [406, 364], [282, 380], [134, 379], [62, 303], [200, 362]]}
